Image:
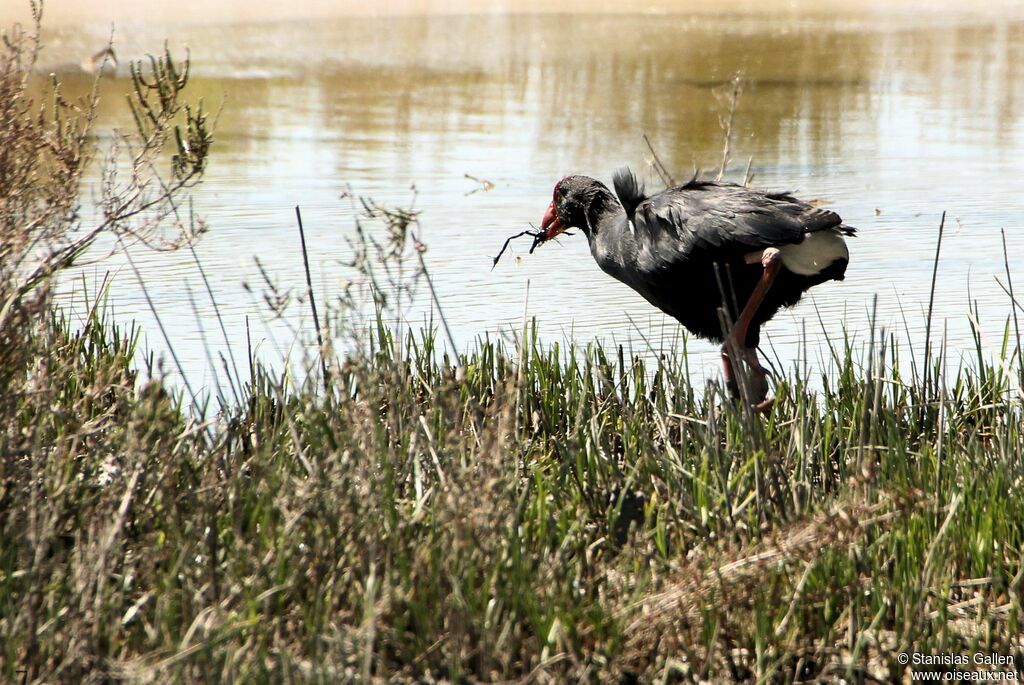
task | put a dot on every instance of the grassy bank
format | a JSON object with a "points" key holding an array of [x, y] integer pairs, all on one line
{"points": [[522, 513], [535, 515]]}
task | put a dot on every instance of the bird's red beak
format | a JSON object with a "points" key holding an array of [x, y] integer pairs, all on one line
{"points": [[550, 224]]}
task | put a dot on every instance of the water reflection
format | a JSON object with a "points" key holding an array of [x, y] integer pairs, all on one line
{"points": [[892, 121]]}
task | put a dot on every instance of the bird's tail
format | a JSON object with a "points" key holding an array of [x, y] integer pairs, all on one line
{"points": [[629, 190]]}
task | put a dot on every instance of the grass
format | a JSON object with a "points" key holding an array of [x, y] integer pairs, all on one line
{"points": [[537, 514], [532, 514]]}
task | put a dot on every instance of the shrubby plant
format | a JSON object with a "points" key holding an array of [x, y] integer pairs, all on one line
{"points": [[46, 144], [526, 514]]}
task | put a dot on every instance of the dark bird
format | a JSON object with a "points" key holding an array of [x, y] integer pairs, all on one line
{"points": [[720, 258]]}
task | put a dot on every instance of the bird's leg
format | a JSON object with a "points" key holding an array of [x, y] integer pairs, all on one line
{"points": [[736, 342], [730, 382], [758, 384], [771, 261], [750, 356]]}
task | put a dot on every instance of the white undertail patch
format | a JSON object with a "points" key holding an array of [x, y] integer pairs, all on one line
{"points": [[817, 251]]}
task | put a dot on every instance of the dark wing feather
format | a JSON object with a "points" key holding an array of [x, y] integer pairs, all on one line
{"points": [[724, 217], [629, 190]]}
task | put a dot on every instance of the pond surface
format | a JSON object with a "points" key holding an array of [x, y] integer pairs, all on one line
{"points": [[891, 119]]}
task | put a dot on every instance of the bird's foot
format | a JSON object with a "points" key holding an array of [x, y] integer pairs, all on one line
{"points": [[750, 356], [757, 380], [747, 354], [758, 388], [766, 257]]}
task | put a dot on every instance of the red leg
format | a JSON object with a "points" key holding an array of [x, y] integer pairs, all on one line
{"points": [[735, 346], [730, 382], [750, 356], [772, 262]]}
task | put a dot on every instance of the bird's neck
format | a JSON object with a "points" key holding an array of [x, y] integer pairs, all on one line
{"points": [[612, 242], [602, 212]]}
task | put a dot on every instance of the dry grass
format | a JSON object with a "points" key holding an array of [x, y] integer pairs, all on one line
{"points": [[567, 517], [530, 515]]}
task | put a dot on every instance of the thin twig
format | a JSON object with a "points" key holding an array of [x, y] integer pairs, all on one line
{"points": [[941, 438], [1009, 283], [312, 300], [538, 238], [220, 322], [931, 305], [437, 301], [737, 88], [248, 354], [160, 325], [206, 346], [659, 168], [1013, 300]]}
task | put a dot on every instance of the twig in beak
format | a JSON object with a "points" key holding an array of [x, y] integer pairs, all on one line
{"points": [[539, 238]]}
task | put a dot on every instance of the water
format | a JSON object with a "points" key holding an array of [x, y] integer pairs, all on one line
{"points": [[890, 118]]}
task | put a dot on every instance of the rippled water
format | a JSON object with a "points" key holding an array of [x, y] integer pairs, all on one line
{"points": [[889, 119]]}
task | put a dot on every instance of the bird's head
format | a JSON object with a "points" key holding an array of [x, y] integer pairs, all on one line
{"points": [[571, 206]]}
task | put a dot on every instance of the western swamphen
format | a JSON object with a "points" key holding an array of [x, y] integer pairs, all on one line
{"points": [[720, 258]]}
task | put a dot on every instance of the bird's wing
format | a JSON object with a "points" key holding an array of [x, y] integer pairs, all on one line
{"points": [[725, 218]]}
